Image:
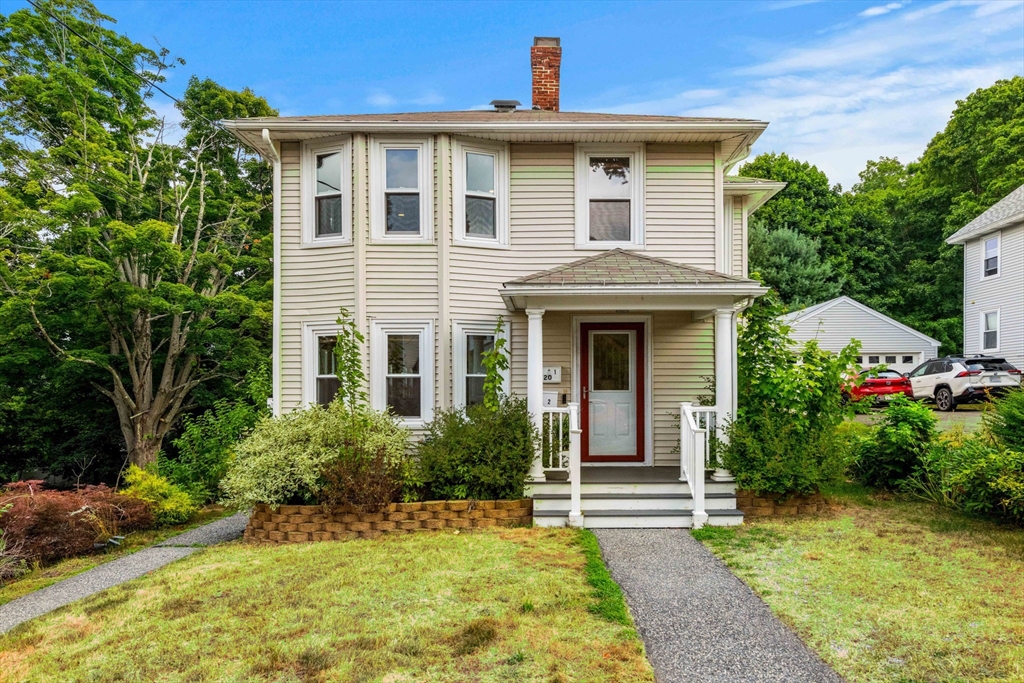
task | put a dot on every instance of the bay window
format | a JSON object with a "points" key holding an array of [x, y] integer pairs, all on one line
{"points": [[327, 192], [402, 369], [480, 178]]}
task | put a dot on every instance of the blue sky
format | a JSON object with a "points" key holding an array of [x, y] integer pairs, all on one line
{"points": [[840, 82]]}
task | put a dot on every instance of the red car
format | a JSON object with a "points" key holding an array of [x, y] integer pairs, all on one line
{"points": [[881, 386]]}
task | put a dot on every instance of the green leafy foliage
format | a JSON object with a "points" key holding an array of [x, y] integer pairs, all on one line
{"points": [[788, 262], [495, 364], [972, 473], [281, 461], [478, 453], [897, 445], [170, 504], [1006, 420], [784, 438], [348, 354]]}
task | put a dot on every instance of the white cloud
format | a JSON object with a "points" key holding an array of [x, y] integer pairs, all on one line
{"points": [[788, 4], [879, 10], [431, 98], [380, 98], [882, 87]]}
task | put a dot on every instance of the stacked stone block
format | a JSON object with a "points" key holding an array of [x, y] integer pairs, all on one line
{"points": [[768, 505], [305, 523]]}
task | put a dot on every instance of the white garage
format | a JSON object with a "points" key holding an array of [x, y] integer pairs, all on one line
{"points": [[883, 341]]}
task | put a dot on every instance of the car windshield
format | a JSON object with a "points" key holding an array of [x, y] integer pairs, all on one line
{"points": [[883, 374]]}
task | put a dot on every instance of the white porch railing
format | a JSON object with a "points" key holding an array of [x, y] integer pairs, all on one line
{"points": [[698, 429], [560, 451]]}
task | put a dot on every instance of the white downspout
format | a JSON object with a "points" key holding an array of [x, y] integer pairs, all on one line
{"points": [[275, 354]]}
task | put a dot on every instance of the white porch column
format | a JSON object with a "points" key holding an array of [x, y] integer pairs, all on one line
{"points": [[535, 379], [725, 375]]}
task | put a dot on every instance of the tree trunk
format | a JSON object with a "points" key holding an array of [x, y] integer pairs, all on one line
{"points": [[144, 453]]}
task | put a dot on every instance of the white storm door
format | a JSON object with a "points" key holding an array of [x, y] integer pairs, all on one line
{"points": [[611, 393]]}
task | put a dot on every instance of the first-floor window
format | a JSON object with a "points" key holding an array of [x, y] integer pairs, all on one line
{"points": [[907, 360], [327, 382], [890, 359], [990, 330], [472, 341], [402, 369], [873, 360]]}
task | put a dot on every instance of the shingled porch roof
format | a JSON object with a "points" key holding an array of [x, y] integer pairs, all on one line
{"points": [[621, 267]]}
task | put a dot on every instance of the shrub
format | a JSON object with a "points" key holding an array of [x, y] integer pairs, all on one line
{"points": [[971, 473], [205, 446], [895, 448], [784, 437], [283, 459], [479, 453], [1006, 420], [44, 526], [169, 503]]}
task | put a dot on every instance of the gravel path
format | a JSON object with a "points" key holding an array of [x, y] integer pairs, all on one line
{"points": [[126, 568], [698, 621]]}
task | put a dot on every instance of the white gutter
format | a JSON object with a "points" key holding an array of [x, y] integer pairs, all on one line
{"points": [[275, 354], [442, 126]]}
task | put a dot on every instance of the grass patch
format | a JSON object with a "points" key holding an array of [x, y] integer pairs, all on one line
{"points": [[890, 590], [611, 604], [42, 576], [491, 605]]}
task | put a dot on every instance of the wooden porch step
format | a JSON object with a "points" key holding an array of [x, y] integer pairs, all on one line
{"points": [[638, 519]]}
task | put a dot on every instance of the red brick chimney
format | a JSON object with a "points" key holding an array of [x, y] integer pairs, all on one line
{"points": [[546, 59]]}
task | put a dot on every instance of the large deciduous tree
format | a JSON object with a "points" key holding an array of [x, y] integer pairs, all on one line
{"points": [[132, 247]]}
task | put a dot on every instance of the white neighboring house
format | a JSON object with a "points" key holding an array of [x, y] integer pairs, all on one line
{"points": [[883, 340], [994, 280]]}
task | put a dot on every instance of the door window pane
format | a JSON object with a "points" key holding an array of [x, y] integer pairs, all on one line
{"points": [[403, 213], [610, 358], [480, 173], [401, 169], [480, 216]]}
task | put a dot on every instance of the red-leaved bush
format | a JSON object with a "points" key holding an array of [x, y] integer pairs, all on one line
{"points": [[48, 525]]}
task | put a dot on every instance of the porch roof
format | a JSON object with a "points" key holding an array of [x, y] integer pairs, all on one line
{"points": [[619, 277]]}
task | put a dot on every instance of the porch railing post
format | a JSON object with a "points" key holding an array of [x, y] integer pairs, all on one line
{"points": [[575, 482]]}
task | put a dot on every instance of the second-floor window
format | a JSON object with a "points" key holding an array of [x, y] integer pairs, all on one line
{"points": [[480, 204], [401, 207], [326, 190], [609, 196], [990, 264]]}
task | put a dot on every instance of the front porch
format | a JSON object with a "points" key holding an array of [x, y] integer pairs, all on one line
{"points": [[633, 340]]}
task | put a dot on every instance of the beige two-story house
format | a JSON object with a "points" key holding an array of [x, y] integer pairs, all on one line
{"points": [[612, 246]]}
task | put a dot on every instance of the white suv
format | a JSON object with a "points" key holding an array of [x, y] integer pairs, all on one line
{"points": [[953, 381]]}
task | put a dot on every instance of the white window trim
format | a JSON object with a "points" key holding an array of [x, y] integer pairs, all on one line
{"points": [[638, 165], [999, 255], [310, 149], [997, 330], [501, 192], [459, 332], [378, 213], [311, 331], [379, 331]]}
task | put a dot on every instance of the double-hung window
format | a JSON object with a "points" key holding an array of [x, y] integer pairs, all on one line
{"points": [[472, 340], [990, 260], [480, 208], [327, 192], [990, 331], [320, 364], [609, 196], [401, 206], [402, 369]]}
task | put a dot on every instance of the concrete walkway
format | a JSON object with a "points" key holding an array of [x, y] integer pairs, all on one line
{"points": [[698, 621], [126, 568]]}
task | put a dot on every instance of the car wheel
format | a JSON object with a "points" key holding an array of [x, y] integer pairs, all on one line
{"points": [[944, 400]]}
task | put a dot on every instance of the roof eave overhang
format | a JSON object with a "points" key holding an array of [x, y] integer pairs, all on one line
{"points": [[631, 297], [760, 192], [957, 238]]}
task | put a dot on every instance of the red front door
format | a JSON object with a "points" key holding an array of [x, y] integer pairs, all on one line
{"points": [[612, 392]]}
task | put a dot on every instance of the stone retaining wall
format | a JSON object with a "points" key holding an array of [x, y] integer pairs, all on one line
{"points": [[769, 505], [302, 523]]}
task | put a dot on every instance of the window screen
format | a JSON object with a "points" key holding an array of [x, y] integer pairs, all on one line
{"points": [[609, 192]]}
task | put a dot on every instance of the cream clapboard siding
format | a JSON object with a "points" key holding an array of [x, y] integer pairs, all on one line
{"points": [[1004, 293], [404, 282], [835, 327], [739, 238], [315, 282]]}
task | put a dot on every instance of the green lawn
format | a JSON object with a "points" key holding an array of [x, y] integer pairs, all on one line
{"points": [[888, 590], [43, 576], [491, 605]]}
